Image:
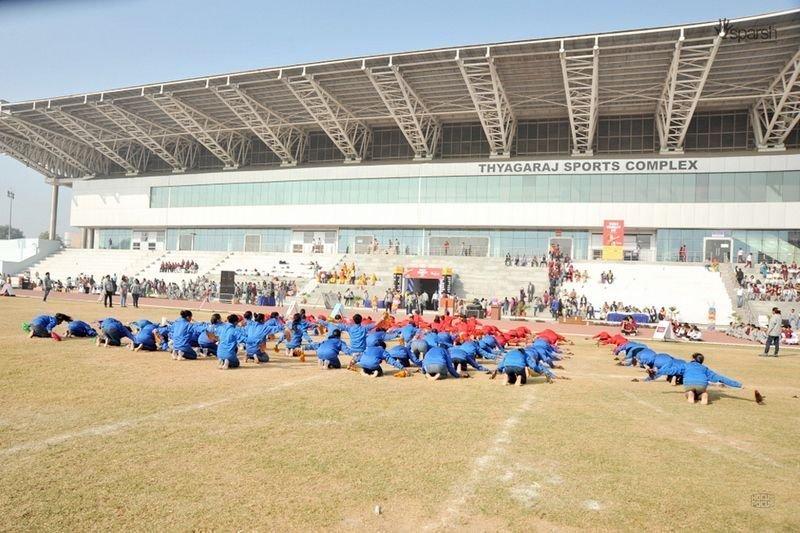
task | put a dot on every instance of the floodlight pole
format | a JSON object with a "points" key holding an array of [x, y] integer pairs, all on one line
{"points": [[10, 195]]}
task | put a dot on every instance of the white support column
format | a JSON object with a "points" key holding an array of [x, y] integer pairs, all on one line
{"points": [[420, 128], [580, 71], [490, 101], [774, 116], [284, 139], [228, 147], [179, 155], [350, 135], [98, 138], [53, 211], [686, 78]]}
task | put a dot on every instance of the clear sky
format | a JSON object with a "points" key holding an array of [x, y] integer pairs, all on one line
{"points": [[56, 47]]}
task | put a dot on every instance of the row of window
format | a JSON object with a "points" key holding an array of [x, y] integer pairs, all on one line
{"points": [[626, 188], [766, 245]]}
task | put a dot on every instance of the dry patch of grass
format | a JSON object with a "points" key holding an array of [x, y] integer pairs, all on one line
{"points": [[105, 438]]}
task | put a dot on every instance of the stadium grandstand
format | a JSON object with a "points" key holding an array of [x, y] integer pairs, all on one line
{"points": [[657, 145]]}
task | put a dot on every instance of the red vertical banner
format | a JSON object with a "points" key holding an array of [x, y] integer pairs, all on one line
{"points": [[613, 239]]}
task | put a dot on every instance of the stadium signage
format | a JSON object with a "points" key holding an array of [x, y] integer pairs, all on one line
{"points": [[581, 167]]}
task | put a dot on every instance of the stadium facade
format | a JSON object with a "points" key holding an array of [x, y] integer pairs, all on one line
{"points": [[687, 134]]}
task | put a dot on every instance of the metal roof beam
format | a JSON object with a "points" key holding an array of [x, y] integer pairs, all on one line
{"points": [[93, 136], [82, 158], [580, 72], [775, 115], [179, 156], [284, 139], [230, 148], [24, 152], [688, 72], [490, 101], [350, 135], [420, 128]]}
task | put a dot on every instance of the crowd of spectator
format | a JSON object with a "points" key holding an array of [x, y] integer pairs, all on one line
{"points": [[775, 282], [185, 266], [346, 275]]}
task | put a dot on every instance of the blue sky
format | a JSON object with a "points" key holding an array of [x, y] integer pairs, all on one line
{"points": [[52, 48]]}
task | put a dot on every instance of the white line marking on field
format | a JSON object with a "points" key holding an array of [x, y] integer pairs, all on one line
{"points": [[115, 427], [592, 505], [463, 491]]}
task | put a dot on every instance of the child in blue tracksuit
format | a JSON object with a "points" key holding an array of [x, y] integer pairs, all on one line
{"points": [[329, 349], [370, 361], [298, 328], [380, 334], [673, 371], [488, 347], [145, 338], [438, 363], [257, 332], [697, 376], [358, 336], [404, 355], [112, 331], [461, 358], [408, 332], [514, 364], [228, 338], [43, 325], [207, 338], [79, 328], [181, 334]]}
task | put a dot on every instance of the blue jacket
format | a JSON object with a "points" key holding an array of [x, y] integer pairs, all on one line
{"points": [[257, 333], [181, 334], [488, 342], [145, 336], [328, 350], [408, 331], [403, 352], [519, 358], [662, 360], [676, 367], [697, 375], [439, 356], [79, 327], [114, 326], [229, 338], [646, 357], [628, 346], [204, 340], [44, 321], [358, 336], [377, 336], [373, 356]]}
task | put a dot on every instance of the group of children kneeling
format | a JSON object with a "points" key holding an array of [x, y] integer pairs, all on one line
{"points": [[445, 347], [693, 375]]}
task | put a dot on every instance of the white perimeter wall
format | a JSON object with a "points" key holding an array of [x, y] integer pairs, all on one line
{"points": [[124, 202]]}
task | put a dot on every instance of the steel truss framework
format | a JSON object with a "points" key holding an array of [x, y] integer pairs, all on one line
{"points": [[230, 147], [580, 72], [775, 115], [350, 135], [285, 140], [178, 152], [107, 143], [686, 78], [491, 102], [36, 157], [83, 158], [420, 128]]}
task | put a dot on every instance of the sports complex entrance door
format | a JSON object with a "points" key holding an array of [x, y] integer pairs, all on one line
{"points": [[717, 248]]}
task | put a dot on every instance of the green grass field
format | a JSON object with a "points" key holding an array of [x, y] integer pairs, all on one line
{"points": [[95, 438]]}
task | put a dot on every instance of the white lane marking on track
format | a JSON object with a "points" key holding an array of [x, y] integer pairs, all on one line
{"points": [[115, 427], [463, 491]]}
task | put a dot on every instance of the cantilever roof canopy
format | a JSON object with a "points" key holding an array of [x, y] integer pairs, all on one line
{"points": [[671, 72]]}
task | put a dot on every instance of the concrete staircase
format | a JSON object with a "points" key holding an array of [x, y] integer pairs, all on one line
{"points": [[206, 261], [74, 262]]}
